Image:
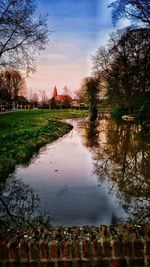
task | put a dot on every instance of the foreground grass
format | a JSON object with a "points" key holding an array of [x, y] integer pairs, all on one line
{"points": [[22, 133]]}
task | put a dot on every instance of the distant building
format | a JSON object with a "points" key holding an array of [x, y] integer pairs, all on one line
{"points": [[60, 101]]}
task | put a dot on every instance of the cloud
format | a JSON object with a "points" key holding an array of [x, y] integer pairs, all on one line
{"points": [[67, 73], [80, 27]]}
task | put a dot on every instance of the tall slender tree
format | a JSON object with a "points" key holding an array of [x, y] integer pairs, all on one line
{"points": [[90, 86]]}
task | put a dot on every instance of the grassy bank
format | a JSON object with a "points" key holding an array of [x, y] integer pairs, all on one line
{"points": [[22, 133]]}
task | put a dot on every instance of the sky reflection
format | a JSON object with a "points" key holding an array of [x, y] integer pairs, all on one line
{"points": [[62, 175]]}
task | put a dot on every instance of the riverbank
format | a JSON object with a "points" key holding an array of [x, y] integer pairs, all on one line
{"points": [[24, 132]]}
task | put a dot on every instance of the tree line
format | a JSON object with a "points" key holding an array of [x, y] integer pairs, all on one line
{"points": [[121, 68], [22, 35]]}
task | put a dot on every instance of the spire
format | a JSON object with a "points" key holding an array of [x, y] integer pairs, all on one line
{"points": [[55, 92]]}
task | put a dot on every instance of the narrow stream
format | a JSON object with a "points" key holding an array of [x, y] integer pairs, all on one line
{"points": [[62, 175]]}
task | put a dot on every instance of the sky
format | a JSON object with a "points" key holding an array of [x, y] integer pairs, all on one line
{"points": [[78, 28]]}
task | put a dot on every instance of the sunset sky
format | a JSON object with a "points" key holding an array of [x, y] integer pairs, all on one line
{"points": [[79, 28]]}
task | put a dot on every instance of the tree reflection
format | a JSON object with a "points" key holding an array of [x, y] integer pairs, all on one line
{"points": [[91, 133], [19, 205], [122, 155]]}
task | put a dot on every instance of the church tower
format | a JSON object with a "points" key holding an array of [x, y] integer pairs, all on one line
{"points": [[55, 92]]}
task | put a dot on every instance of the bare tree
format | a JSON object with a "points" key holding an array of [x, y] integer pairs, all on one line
{"points": [[67, 91], [43, 95], [35, 97], [124, 66], [19, 205], [12, 85], [21, 34], [136, 10]]}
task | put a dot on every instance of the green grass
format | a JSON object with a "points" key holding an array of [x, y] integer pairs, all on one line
{"points": [[22, 133]]}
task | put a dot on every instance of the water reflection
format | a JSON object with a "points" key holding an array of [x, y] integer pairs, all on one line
{"points": [[91, 133], [122, 158], [96, 174], [19, 205], [62, 175]]}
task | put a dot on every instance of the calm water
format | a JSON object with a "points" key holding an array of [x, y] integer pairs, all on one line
{"points": [[93, 175]]}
